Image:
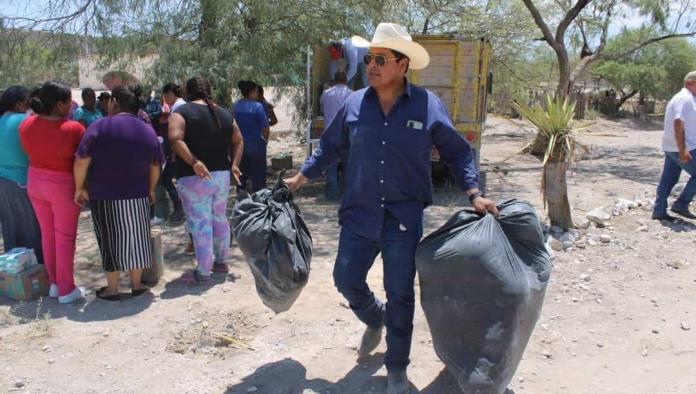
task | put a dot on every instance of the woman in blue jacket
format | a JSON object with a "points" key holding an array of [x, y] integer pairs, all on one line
{"points": [[253, 122]]}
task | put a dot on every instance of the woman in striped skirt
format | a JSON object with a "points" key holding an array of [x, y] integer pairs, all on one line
{"points": [[116, 171]]}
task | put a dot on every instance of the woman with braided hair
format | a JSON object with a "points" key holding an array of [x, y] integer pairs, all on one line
{"points": [[209, 146]]}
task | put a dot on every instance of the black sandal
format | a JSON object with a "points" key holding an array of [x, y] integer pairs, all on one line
{"points": [[108, 298], [137, 293]]}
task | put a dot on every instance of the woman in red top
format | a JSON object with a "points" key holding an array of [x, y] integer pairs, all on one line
{"points": [[50, 141]]}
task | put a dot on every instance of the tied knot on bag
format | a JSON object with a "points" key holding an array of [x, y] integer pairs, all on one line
{"points": [[281, 193]]}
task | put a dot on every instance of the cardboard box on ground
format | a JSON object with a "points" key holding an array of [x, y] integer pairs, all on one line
{"points": [[21, 277], [281, 161]]}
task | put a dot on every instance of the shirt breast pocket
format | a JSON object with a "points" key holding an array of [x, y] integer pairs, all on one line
{"points": [[416, 125], [418, 134]]}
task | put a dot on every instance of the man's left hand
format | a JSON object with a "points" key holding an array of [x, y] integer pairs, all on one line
{"points": [[483, 205]]}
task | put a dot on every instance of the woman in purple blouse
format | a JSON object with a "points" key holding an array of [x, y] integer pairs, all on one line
{"points": [[116, 170]]}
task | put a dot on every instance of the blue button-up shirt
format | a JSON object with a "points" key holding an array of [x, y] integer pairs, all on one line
{"points": [[387, 157], [332, 100]]}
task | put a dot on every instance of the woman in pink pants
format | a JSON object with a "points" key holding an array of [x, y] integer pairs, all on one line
{"points": [[50, 141]]}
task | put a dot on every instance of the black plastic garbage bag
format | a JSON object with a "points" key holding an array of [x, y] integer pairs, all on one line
{"points": [[271, 233], [482, 284]]}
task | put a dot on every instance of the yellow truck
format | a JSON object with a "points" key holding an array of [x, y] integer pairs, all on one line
{"points": [[458, 74]]}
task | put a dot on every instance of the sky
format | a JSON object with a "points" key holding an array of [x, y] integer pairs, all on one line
{"points": [[23, 8], [37, 9]]}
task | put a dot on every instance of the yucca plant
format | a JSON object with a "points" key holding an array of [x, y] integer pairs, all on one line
{"points": [[554, 123]]}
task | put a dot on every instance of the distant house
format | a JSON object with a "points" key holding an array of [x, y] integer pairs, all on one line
{"points": [[99, 77], [590, 83]]}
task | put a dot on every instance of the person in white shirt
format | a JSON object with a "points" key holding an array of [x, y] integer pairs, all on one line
{"points": [[679, 145], [172, 95], [331, 102]]}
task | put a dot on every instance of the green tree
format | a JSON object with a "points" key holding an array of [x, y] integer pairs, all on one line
{"points": [[583, 28], [653, 71], [29, 58], [222, 40]]}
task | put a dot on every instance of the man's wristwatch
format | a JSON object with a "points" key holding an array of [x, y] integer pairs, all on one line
{"points": [[474, 196]]}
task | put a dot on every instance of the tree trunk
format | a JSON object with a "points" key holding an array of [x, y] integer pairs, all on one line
{"points": [[580, 104], [556, 194], [625, 97], [426, 24], [580, 68], [563, 87]]}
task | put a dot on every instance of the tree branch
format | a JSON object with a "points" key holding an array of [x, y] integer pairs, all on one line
{"points": [[425, 25], [569, 18], [580, 68], [585, 61], [625, 97], [36, 22], [540, 22], [643, 44], [605, 29]]}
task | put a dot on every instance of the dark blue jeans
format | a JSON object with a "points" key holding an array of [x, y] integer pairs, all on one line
{"points": [[356, 255], [166, 186], [253, 166], [670, 176], [166, 180]]}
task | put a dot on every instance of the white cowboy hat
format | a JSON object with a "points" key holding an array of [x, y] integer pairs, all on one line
{"points": [[395, 37]]}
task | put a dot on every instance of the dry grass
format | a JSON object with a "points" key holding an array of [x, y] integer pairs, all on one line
{"points": [[6, 319], [214, 334], [42, 325]]}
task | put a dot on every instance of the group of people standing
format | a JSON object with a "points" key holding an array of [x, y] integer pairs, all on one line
{"points": [[383, 134], [45, 179], [116, 155]]}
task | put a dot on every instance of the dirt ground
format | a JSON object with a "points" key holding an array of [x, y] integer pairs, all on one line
{"points": [[616, 319]]}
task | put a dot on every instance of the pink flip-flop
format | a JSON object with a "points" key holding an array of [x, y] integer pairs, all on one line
{"points": [[192, 277]]}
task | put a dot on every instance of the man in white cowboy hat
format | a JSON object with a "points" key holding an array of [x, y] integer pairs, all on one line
{"points": [[384, 133]]}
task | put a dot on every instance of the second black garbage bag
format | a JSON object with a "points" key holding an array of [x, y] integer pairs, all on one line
{"points": [[272, 235], [482, 282]]}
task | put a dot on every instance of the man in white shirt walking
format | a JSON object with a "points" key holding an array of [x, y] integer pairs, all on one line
{"points": [[331, 101], [679, 145]]}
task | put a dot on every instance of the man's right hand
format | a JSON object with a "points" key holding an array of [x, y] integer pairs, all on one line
{"points": [[295, 182], [685, 156]]}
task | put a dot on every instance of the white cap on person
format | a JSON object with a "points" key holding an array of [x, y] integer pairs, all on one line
{"points": [[690, 76]]}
